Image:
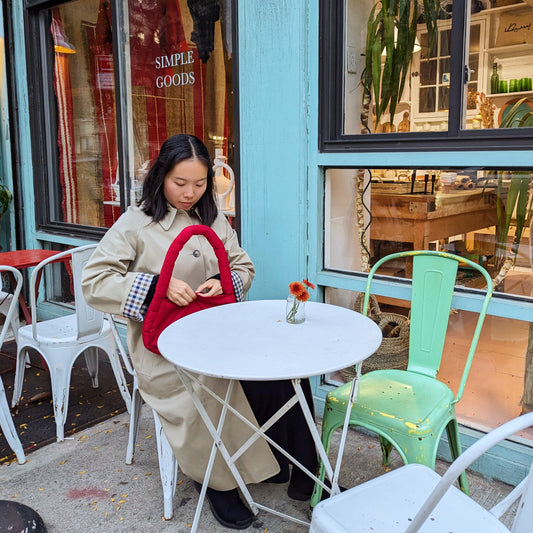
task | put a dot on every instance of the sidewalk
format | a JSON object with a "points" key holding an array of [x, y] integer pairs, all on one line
{"points": [[83, 484]]}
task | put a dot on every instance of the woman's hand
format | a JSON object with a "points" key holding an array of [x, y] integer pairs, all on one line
{"points": [[179, 292], [212, 287]]}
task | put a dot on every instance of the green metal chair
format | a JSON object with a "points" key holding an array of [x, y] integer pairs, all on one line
{"points": [[409, 409]]}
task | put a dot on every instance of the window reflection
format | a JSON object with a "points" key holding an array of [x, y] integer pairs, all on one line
{"points": [[380, 90], [178, 57]]}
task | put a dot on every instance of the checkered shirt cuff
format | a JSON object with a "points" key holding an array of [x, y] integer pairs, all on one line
{"points": [[135, 308], [238, 287]]}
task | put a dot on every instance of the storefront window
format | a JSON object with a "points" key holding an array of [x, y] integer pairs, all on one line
{"points": [[481, 215], [126, 75], [405, 68]]}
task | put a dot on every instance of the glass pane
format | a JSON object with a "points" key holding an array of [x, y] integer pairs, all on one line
{"points": [[179, 79], [370, 214], [83, 68], [181, 72], [376, 99], [501, 62], [428, 72]]}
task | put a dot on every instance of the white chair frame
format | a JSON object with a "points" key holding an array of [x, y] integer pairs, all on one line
{"points": [[11, 317], [415, 498], [168, 465], [61, 340]]}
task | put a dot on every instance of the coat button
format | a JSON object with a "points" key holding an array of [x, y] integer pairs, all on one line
{"points": [[196, 253]]}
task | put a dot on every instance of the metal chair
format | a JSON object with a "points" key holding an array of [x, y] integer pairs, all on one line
{"points": [[415, 498], [168, 465], [409, 409], [10, 311], [61, 340]]}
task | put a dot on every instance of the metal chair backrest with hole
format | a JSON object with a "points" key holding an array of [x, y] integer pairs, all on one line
{"points": [[415, 498], [409, 409], [11, 311], [168, 465], [61, 340]]}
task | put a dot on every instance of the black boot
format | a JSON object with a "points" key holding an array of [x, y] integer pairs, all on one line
{"points": [[228, 508]]}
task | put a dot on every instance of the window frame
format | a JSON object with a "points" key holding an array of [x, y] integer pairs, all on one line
{"points": [[41, 115], [331, 138]]}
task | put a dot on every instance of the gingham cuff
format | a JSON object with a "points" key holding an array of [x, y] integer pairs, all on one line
{"points": [[238, 287], [135, 308]]}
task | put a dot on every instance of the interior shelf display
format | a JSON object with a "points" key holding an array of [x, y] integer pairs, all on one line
{"points": [[501, 34]]}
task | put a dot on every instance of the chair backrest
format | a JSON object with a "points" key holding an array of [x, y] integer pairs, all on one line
{"points": [[433, 282], [89, 320], [13, 298], [524, 515]]}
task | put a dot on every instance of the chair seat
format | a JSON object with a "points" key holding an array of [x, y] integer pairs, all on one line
{"points": [[400, 401], [388, 503], [62, 329]]}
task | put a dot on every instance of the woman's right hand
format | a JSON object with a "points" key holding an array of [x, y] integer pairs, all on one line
{"points": [[179, 292]]}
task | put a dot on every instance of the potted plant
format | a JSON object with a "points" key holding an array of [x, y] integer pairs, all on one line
{"points": [[391, 34]]}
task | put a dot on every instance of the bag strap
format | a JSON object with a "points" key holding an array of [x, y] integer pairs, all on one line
{"points": [[175, 248]]}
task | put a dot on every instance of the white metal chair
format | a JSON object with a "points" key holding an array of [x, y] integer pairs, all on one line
{"points": [[168, 465], [415, 498], [10, 311], [61, 340], [6, 299]]}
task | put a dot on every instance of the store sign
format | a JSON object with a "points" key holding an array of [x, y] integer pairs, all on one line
{"points": [[171, 61], [515, 29]]}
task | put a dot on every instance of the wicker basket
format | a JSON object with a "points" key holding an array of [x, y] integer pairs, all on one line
{"points": [[394, 349]]}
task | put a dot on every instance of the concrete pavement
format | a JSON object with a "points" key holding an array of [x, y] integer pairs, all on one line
{"points": [[83, 484]]}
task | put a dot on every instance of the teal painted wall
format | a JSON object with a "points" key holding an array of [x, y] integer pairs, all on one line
{"points": [[273, 103]]}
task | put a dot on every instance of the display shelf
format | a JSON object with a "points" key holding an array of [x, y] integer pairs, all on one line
{"points": [[517, 94], [510, 49]]}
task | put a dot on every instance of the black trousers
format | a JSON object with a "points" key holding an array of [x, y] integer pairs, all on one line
{"points": [[291, 432]]}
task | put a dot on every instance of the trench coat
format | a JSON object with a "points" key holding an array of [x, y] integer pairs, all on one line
{"points": [[136, 244]]}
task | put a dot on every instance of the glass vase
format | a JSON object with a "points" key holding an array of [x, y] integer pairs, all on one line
{"points": [[295, 310]]}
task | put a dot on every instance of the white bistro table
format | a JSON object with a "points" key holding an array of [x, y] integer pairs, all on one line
{"points": [[252, 341]]}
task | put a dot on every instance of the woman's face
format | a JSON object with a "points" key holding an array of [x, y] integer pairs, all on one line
{"points": [[185, 184]]}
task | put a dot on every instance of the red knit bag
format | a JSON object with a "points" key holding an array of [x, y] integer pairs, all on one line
{"points": [[161, 311]]}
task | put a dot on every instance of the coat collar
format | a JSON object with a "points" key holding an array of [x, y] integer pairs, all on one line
{"points": [[168, 220]]}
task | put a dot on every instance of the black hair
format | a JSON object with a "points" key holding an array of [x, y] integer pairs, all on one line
{"points": [[176, 149]]}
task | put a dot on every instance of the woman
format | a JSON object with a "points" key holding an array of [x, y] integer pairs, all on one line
{"points": [[120, 278]]}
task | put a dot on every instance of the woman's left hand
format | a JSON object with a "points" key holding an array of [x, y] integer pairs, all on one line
{"points": [[212, 287]]}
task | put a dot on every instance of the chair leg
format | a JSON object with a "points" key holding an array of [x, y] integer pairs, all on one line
{"points": [[168, 468], [327, 433], [19, 376], [119, 376], [8, 427], [60, 378], [386, 447], [91, 360], [452, 430], [136, 404]]}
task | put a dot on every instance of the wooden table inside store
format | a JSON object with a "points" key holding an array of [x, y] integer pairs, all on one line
{"points": [[419, 219]]}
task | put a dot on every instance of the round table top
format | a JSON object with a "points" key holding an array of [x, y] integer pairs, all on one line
{"points": [[252, 341]]}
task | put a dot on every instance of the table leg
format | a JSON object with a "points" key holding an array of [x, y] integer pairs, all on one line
{"points": [[217, 444], [299, 397]]}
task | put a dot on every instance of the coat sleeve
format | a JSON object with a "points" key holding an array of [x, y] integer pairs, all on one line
{"points": [[107, 279]]}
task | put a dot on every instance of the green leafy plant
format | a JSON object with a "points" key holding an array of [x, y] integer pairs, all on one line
{"points": [[518, 202], [5, 198], [391, 33]]}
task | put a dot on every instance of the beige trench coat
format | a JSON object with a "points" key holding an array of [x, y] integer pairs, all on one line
{"points": [[133, 245]]}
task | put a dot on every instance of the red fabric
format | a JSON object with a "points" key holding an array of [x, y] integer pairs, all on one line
{"points": [[161, 311]]}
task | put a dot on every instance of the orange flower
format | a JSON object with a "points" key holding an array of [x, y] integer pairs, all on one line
{"points": [[310, 285], [297, 288], [303, 296]]}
